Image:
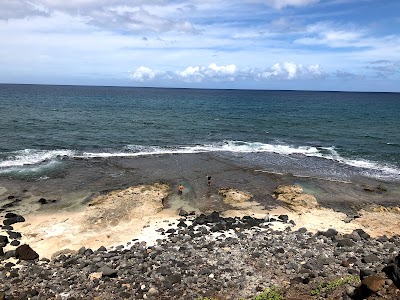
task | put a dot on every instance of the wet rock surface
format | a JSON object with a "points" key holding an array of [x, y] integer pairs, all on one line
{"points": [[212, 256]]}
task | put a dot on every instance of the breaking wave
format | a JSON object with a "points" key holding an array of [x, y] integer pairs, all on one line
{"points": [[30, 158]]}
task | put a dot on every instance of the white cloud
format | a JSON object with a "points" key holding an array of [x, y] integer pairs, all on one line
{"points": [[290, 70], [229, 73], [114, 15], [143, 73], [229, 69], [213, 72], [279, 4], [139, 20], [15, 9], [329, 35]]}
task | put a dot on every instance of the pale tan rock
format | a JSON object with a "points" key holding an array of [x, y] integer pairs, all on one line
{"points": [[109, 219], [390, 209], [63, 252], [124, 205], [95, 275], [294, 197], [233, 196]]}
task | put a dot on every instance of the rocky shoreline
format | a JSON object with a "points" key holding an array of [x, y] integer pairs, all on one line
{"points": [[215, 257]]}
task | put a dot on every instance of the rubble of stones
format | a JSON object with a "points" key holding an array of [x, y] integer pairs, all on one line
{"points": [[209, 256]]}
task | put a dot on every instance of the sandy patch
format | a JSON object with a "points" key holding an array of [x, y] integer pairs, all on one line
{"points": [[379, 223]]}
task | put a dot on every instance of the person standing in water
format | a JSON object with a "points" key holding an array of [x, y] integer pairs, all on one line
{"points": [[180, 189], [209, 180]]}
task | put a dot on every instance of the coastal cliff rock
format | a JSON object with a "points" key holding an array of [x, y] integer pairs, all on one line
{"points": [[294, 197], [233, 196]]}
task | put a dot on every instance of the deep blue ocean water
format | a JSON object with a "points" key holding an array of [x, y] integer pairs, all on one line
{"points": [[334, 135]]}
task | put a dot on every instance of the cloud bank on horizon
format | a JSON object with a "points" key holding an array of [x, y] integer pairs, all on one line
{"points": [[262, 44]]}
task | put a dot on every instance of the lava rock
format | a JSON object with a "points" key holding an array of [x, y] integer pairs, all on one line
{"points": [[3, 240], [25, 252]]}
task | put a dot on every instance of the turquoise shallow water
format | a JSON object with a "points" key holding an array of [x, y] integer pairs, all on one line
{"points": [[323, 134]]}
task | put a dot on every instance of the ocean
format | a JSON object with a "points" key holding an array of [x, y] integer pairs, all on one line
{"points": [[339, 136]]}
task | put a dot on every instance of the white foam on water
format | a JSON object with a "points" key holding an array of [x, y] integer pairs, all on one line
{"points": [[226, 146], [33, 157], [386, 171]]}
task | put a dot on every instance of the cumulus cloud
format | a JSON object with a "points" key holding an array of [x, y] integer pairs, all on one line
{"points": [[290, 70], [143, 74], [212, 72], [229, 73]]}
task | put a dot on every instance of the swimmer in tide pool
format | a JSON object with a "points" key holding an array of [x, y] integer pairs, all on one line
{"points": [[180, 189]]}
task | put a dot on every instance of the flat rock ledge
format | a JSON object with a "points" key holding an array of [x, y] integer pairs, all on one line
{"points": [[294, 198], [216, 257]]}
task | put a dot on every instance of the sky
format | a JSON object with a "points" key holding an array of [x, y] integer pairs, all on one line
{"points": [[339, 45]]}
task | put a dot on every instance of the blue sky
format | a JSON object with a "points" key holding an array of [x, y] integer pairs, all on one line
{"points": [[257, 44]]}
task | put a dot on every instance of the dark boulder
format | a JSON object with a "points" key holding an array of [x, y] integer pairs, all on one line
{"points": [[283, 218], [362, 234], [331, 232], [183, 213], [14, 220], [9, 254], [365, 273], [182, 224], [42, 201], [102, 249], [15, 243], [370, 258], [14, 235], [25, 252], [346, 243], [10, 215], [108, 272], [172, 279], [3, 240], [392, 270]]}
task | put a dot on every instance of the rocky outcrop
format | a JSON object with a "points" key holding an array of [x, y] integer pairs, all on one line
{"points": [[389, 209], [293, 197], [124, 205], [234, 196]]}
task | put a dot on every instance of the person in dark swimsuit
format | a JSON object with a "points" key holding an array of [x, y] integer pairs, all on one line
{"points": [[209, 180]]}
